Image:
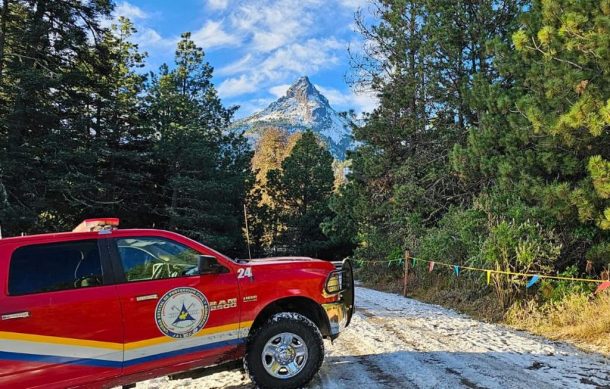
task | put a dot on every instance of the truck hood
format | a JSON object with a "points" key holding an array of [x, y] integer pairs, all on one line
{"points": [[278, 260], [290, 263]]}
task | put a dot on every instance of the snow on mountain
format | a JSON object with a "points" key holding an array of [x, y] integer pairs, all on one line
{"points": [[303, 107]]}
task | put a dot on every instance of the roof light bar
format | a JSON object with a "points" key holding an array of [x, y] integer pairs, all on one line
{"points": [[100, 224]]}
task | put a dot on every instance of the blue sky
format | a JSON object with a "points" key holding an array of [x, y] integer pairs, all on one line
{"points": [[257, 47]]}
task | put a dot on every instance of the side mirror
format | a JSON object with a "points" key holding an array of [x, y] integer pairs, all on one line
{"points": [[209, 265]]}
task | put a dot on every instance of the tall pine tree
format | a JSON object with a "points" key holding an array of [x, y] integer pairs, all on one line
{"points": [[201, 168], [423, 58], [541, 152], [48, 69]]}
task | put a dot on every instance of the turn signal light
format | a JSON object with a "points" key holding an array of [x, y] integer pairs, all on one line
{"points": [[333, 283]]}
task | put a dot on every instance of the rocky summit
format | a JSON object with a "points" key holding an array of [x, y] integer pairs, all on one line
{"points": [[302, 108]]}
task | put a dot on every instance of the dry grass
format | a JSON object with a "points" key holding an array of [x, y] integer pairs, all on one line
{"points": [[469, 301], [464, 295], [379, 277], [580, 319]]}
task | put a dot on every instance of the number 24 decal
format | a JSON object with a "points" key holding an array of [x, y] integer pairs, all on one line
{"points": [[244, 272]]}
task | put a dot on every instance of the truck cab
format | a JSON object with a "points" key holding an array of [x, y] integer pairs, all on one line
{"points": [[101, 307]]}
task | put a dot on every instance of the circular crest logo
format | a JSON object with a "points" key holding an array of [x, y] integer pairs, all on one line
{"points": [[182, 312]]}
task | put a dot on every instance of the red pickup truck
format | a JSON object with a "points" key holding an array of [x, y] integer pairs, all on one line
{"points": [[101, 307]]}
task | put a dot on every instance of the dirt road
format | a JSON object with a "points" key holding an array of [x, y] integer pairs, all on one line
{"points": [[395, 342]]}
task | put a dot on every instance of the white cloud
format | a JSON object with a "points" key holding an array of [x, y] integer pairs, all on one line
{"points": [[301, 58], [279, 66], [218, 4], [279, 90], [236, 86], [149, 38], [272, 24], [251, 106], [212, 34], [361, 101], [125, 9], [272, 43], [365, 102], [238, 66], [130, 11], [354, 4]]}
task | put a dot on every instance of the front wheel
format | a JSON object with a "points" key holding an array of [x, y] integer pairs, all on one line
{"points": [[286, 352]]}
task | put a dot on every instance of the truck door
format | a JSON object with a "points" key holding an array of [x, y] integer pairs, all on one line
{"points": [[61, 320], [174, 318]]}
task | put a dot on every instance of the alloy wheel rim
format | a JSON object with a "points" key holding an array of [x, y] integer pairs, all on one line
{"points": [[284, 355]]}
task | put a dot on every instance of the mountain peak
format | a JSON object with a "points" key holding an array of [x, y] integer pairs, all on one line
{"points": [[303, 90], [302, 81], [303, 107]]}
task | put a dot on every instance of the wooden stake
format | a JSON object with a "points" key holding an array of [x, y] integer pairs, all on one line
{"points": [[406, 275]]}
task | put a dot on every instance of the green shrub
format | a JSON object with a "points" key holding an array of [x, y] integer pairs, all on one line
{"points": [[557, 290], [599, 254], [458, 237], [520, 247]]}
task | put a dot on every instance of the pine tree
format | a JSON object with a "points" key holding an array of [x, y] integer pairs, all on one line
{"points": [[202, 169], [424, 59], [83, 133], [301, 191], [341, 227], [128, 141], [568, 106], [540, 151], [109, 175], [45, 81], [391, 136]]}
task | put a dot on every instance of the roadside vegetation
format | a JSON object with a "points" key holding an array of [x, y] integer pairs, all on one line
{"points": [[490, 148], [576, 317]]}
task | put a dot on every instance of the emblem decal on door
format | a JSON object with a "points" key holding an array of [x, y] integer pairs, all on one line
{"points": [[182, 312]]}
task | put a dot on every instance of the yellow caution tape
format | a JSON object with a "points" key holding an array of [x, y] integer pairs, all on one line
{"points": [[490, 271]]}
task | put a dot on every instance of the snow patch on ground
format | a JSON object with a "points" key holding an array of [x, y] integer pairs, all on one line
{"points": [[395, 342]]}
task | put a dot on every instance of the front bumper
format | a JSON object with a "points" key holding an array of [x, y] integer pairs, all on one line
{"points": [[337, 314], [340, 313]]}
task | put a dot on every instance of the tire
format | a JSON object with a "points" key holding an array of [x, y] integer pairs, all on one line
{"points": [[288, 335]]}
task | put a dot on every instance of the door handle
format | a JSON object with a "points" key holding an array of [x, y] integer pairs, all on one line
{"points": [[16, 315], [147, 297]]}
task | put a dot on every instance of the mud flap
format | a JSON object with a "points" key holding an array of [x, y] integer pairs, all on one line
{"points": [[348, 292]]}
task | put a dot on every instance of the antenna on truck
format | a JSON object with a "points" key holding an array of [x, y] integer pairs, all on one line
{"points": [[247, 231]]}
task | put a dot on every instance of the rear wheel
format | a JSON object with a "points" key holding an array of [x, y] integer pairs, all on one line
{"points": [[286, 352]]}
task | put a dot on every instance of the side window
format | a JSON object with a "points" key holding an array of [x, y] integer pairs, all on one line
{"points": [[152, 258], [55, 266]]}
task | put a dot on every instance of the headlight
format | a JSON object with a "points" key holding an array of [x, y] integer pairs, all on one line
{"points": [[333, 283]]}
